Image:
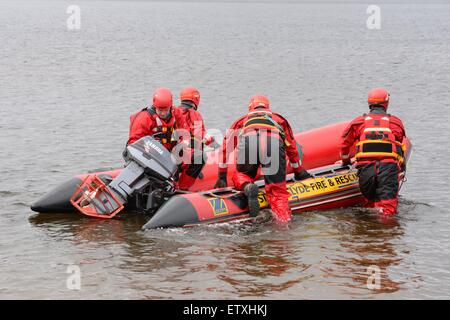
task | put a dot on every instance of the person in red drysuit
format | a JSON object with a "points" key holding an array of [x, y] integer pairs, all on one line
{"points": [[266, 137], [158, 121], [191, 120], [379, 152]]}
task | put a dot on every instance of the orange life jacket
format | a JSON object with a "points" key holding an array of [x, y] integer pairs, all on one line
{"points": [[163, 130], [377, 140], [263, 120]]}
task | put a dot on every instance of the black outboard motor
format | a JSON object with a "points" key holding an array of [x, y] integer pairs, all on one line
{"points": [[148, 175]]}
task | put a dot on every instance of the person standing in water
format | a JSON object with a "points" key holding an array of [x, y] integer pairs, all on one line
{"points": [[379, 152]]}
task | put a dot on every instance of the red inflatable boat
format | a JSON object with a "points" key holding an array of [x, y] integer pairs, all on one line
{"points": [[333, 186]]}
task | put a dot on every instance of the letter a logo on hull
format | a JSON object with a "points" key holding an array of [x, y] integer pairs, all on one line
{"points": [[219, 206]]}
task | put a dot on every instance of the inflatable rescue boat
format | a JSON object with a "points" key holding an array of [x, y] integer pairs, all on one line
{"points": [[146, 184]]}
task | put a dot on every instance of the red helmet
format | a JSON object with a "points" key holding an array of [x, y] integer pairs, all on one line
{"points": [[191, 94], [162, 98], [258, 102], [378, 96]]}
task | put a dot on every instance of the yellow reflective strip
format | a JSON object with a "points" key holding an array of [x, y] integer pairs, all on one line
{"points": [[379, 154], [261, 121], [287, 143], [403, 146], [374, 141], [273, 128], [368, 154]]}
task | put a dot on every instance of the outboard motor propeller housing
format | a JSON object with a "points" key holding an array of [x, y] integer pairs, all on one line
{"points": [[150, 167]]}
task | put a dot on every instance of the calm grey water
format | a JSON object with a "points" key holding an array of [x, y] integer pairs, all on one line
{"points": [[65, 101]]}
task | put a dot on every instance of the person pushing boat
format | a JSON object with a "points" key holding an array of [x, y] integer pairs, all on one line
{"points": [[263, 139], [379, 152]]}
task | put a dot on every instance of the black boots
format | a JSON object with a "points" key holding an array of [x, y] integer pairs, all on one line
{"points": [[251, 191]]}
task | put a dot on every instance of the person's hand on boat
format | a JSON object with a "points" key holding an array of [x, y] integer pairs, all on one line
{"points": [[211, 142], [208, 140], [302, 175], [221, 181]]}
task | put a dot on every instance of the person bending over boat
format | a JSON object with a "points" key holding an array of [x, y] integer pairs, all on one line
{"points": [[158, 121], [192, 121], [263, 139], [379, 152]]}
